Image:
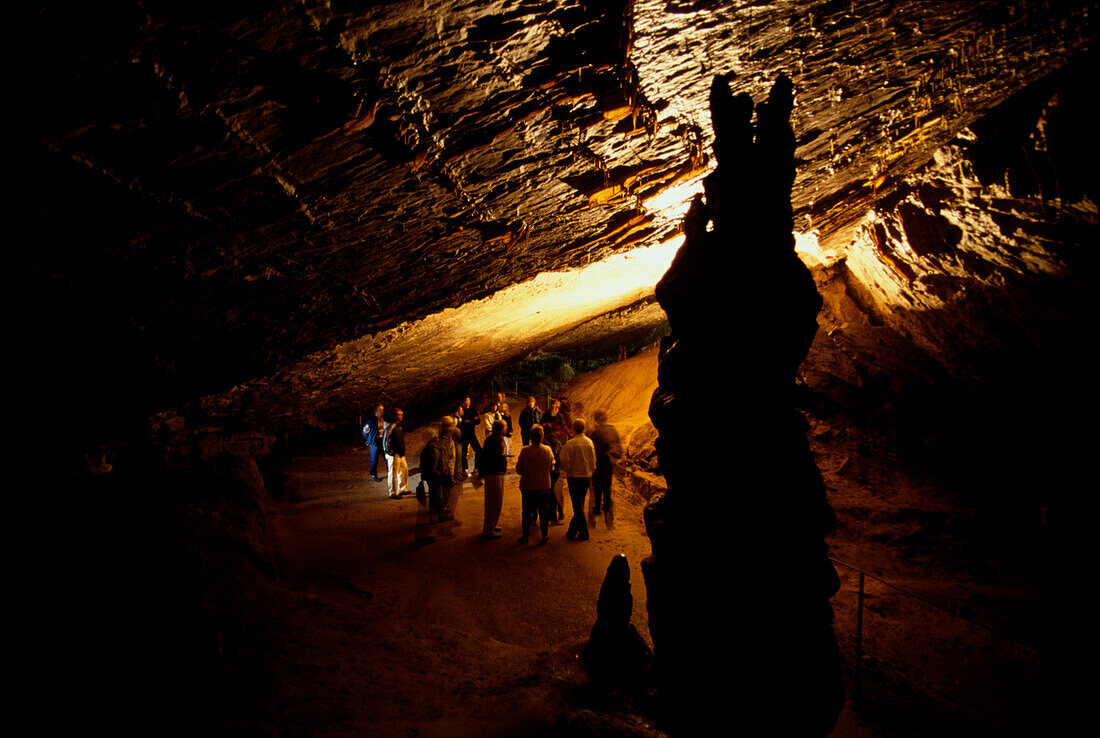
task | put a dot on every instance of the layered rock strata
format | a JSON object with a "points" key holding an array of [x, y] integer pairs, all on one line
{"points": [[739, 580]]}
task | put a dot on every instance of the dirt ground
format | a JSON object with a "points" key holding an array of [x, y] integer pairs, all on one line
{"points": [[459, 637], [372, 633]]}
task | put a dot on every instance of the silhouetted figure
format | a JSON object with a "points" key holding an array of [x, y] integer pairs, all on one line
{"points": [[534, 465], [776, 642], [609, 448], [616, 654], [530, 415], [467, 425], [507, 418], [555, 444], [578, 461], [494, 464]]}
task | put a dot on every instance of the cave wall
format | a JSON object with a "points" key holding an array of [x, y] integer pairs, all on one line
{"points": [[211, 194], [956, 321]]}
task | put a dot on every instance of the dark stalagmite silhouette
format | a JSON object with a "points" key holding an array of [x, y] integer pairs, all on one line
{"points": [[739, 580], [616, 654]]}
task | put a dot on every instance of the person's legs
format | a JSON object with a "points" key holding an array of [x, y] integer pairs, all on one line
{"points": [[545, 509], [401, 476], [528, 500], [494, 499], [391, 477], [559, 497], [379, 455], [601, 489], [373, 460], [446, 495], [435, 497], [477, 454], [578, 490], [452, 494]]}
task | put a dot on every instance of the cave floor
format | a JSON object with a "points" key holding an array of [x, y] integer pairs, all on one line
{"points": [[366, 632], [461, 636]]}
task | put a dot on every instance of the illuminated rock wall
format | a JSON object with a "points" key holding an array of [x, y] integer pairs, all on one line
{"points": [[215, 194]]}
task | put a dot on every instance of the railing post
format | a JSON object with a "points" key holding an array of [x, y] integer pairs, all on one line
{"points": [[859, 635]]}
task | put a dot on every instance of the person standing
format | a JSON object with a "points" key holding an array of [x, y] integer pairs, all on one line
{"points": [[554, 421], [609, 448], [529, 416], [488, 416], [507, 418], [372, 437], [534, 465], [394, 445], [458, 474], [437, 465], [578, 462], [467, 425], [494, 464], [554, 442]]}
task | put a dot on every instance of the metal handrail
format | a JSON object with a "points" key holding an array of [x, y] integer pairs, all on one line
{"points": [[860, 594], [988, 628]]}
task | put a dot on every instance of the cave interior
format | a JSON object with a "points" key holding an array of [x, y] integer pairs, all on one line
{"points": [[239, 225]]}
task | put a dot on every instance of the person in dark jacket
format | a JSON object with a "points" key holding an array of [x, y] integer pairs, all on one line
{"points": [[554, 421], [372, 437], [437, 467], [393, 444], [467, 426], [507, 418], [529, 416], [494, 464], [609, 448], [557, 512]]}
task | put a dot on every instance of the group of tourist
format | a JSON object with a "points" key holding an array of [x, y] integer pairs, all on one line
{"points": [[553, 447]]}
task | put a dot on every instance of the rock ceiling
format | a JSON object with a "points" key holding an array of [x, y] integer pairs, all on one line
{"points": [[244, 185]]}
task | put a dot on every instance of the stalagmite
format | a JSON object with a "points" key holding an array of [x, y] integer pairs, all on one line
{"points": [[739, 581]]}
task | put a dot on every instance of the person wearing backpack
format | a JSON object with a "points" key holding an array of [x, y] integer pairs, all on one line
{"points": [[372, 437]]}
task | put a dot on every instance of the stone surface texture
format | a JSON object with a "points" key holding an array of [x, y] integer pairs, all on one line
{"points": [[214, 195]]}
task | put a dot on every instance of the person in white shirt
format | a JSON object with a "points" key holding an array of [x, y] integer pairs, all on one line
{"points": [[578, 462]]}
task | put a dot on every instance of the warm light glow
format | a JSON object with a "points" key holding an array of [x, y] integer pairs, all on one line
{"points": [[674, 202], [808, 248], [527, 314], [553, 302]]}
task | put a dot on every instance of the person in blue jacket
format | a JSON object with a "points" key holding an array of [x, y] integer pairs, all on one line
{"points": [[372, 437]]}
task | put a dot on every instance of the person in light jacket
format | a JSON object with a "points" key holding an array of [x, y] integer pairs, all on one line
{"points": [[578, 462]]}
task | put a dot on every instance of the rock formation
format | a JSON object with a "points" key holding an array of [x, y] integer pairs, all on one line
{"points": [[739, 580], [616, 653]]}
